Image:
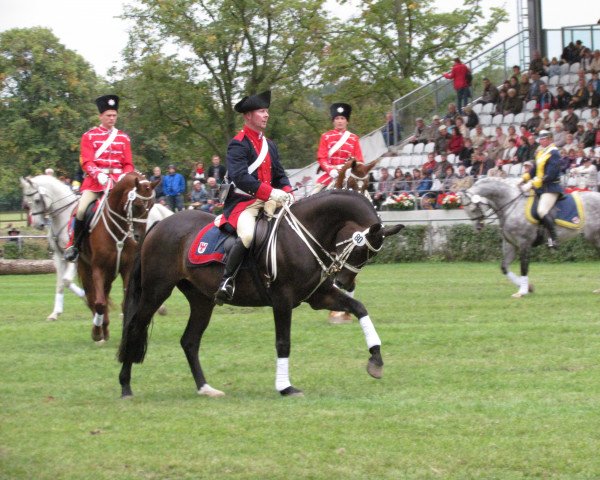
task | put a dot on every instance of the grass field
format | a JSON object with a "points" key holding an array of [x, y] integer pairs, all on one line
{"points": [[476, 385]]}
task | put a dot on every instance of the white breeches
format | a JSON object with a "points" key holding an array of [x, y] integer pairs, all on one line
{"points": [[247, 221], [547, 201], [317, 188], [87, 197]]}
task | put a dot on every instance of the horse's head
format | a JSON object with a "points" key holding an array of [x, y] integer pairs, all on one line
{"points": [[354, 175], [132, 197], [36, 201], [488, 194], [473, 205]]}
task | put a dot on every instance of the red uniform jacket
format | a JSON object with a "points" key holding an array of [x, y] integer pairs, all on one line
{"points": [[349, 149], [459, 75], [114, 161]]}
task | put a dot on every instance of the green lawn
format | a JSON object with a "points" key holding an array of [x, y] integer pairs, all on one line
{"points": [[476, 385]]}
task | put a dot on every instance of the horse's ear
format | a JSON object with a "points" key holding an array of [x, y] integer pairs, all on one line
{"points": [[26, 181], [156, 182], [392, 229], [370, 165]]}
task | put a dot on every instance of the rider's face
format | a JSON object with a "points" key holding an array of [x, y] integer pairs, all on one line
{"points": [[340, 122], [257, 119], [108, 119]]}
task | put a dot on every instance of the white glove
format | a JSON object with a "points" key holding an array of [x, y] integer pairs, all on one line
{"points": [[333, 173], [525, 187], [102, 178], [279, 196]]}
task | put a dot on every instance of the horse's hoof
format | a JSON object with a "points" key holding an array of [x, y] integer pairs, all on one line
{"points": [[291, 392], [162, 310], [531, 288], [126, 393], [596, 291], [97, 334], [99, 343], [338, 318], [52, 317], [105, 333], [207, 391], [518, 295], [375, 370]]}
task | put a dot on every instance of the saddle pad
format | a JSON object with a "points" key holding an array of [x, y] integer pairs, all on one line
{"points": [[208, 246], [89, 214], [569, 211]]}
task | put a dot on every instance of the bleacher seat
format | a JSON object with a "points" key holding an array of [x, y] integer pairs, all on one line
{"points": [[419, 160], [384, 162], [565, 79], [497, 119], [485, 119], [394, 163], [430, 147], [515, 170], [577, 111], [487, 108], [418, 149], [587, 151], [530, 105], [508, 119], [573, 79], [574, 68], [586, 114], [405, 161], [477, 108], [527, 116], [588, 77], [489, 130], [544, 79], [506, 168], [452, 158], [553, 90], [407, 149], [564, 68], [519, 118], [553, 80]]}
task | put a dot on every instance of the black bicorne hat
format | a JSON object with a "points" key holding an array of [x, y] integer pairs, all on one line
{"points": [[107, 102], [340, 109], [253, 102]]}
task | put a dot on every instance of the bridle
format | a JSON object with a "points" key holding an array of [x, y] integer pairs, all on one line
{"points": [[330, 264], [113, 220], [478, 200]]}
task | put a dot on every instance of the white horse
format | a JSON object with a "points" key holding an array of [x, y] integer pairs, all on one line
{"points": [[46, 196], [505, 200]]}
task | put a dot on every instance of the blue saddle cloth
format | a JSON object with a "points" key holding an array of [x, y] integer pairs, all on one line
{"points": [[208, 246], [568, 210]]}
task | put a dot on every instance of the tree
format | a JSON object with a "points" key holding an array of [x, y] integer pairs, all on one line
{"points": [[225, 49], [46, 103]]}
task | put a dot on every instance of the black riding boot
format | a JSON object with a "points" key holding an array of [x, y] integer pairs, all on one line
{"points": [[72, 252], [548, 222], [234, 261]]}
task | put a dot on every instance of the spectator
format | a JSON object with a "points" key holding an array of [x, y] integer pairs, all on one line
{"points": [[460, 74], [421, 133], [463, 180], [569, 143], [481, 164], [570, 54], [522, 151], [570, 120], [563, 98], [459, 124], [390, 134], [595, 64], [533, 146], [451, 113], [523, 132], [385, 186], [490, 92], [442, 166], [434, 129], [516, 72], [579, 135], [553, 68], [589, 135], [423, 190], [493, 151], [545, 100], [536, 65], [477, 138], [450, 179], [400, 182], [430, 164], [509, 154], [216, 170], [595, 81], [497, 171], [500, 136], [472, 118], [534, 88], [158, 190], [511, 135], [456, 142], [212, 193], [198, 173], [586, 60], [173, 189], [593, 97], [587, 174], [442, 142], [49, 172], [198, 197], [560, 136], [499, 110], [464, 157], [533, 124], [579, 95], [522, 87], [512, 104], [595, 118]]}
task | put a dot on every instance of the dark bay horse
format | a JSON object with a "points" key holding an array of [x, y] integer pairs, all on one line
{"points": [[110, 247], [505, 200], [328, 235]]}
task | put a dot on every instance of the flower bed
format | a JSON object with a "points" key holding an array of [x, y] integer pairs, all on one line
{"points": [[402, 201], [450, 201]]}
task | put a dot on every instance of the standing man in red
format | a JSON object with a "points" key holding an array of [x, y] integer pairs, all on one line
{"points": [[336, 146], [105, 156], [459, 74]]}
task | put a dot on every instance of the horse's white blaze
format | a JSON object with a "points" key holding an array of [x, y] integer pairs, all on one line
{"points": [[282, 377], [369, 330], [98, 319], [208, 391]]}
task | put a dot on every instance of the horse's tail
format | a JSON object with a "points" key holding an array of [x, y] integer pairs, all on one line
{"points": [[134, 340]]}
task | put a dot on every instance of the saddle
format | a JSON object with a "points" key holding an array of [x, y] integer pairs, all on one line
{"points": [[90, 212], [568, 211]]}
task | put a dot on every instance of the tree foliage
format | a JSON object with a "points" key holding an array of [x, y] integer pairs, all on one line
{"points": [[46, 103]]}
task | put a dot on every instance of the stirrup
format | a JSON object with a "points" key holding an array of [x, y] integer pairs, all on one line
{"points": [[225, 291], [71, 254]]}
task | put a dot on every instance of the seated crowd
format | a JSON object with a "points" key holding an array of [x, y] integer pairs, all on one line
{"points": [[461, 149]]}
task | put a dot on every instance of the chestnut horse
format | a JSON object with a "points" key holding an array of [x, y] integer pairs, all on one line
{"points": [[110, 247], [331, 234], [354, 175]]}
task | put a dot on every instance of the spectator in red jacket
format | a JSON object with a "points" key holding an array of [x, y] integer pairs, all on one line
{"points": [[459, 74]]}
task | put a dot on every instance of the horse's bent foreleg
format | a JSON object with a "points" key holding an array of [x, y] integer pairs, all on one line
{"points": [[335, 299], [201, 309], [59, 290], [283, 323], [67, 280]]}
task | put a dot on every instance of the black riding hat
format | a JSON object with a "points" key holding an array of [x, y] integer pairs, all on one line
{"points": [[253, 102], [340, 110], [107, 102]]}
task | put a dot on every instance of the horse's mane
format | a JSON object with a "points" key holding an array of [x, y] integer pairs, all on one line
{"points": [[49, 181], [306, 202], [509, 182]]}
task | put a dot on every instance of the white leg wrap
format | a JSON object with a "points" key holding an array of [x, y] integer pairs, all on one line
{"points": [[369, 330], [59, 300], [98, 319], [282, 377], [524, 288], [351, 294], [513, 278], [76, 290]]}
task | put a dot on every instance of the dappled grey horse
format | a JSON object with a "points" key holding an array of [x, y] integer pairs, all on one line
{"points": [[504, 198]]}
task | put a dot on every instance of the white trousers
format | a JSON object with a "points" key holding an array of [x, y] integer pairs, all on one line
{"points": [[87, 197], [546, 202]]}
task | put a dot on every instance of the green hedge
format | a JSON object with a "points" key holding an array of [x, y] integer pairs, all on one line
{"points": [[464, 243]]}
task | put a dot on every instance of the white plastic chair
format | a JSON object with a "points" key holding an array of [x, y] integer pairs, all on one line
{"points": [[530, 105], [497, 119], [487, 108], [477, 108], [565, 79], [407, 149], [506, 168], [418, 149], [574, 68], [394, 162], [430, 147], [564, 68], [527, 116], [485, 119], [586, 114], [544, 79], [452, 157], [519, 118], [553, 81], [508, 119], [385, 162], [515, 170]]}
